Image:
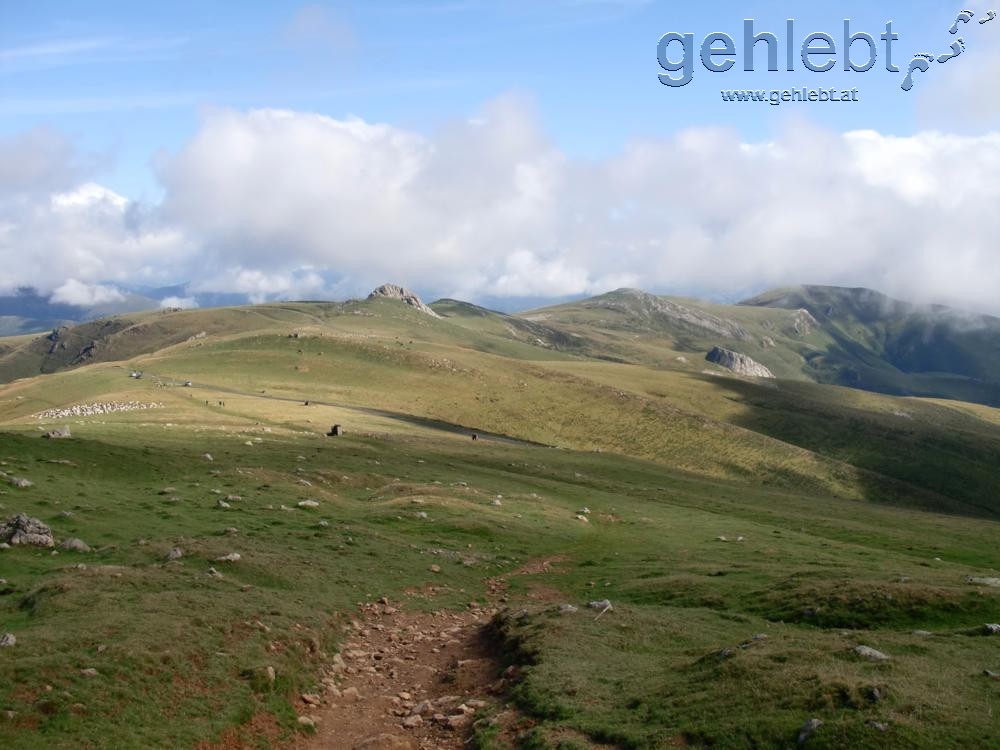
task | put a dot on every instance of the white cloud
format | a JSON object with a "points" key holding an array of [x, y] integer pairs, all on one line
{"points": [[74, 292], [280, 204]]}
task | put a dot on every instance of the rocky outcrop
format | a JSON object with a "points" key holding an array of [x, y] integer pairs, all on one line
{"points": [[741, 364], [22, 529], [392, 291]]}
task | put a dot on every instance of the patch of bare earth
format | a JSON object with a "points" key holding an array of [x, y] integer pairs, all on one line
{"points": [[409, 681], [413, 680]]}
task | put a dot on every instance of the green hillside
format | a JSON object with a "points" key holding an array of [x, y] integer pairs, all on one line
{"points": [[710, 510]]}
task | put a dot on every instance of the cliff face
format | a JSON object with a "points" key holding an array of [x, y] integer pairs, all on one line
{"points": [[741, 364], [392, 291]]}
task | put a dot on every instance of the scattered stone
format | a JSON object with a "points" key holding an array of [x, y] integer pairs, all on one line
{"points": [[214, 573], [308, 504], [175, 553], [983, 581], [878, 726], [871, 654], [92, 410], [992, 628], [584, 519], [220, 503], [208, 457], [922, 633], [230, 558], [8, 640], [305, 721], [75, 545], [986, 672], [568, 609], [233, 498], [808, 730], [60, 433], [602, 604], [231, 531], [270, 674], [89, 672], [435, 569], [413, 721], [22, 529], [20, 483], [311, 699], [496, 502], [385, 742], [167, 491], [351, 694]]}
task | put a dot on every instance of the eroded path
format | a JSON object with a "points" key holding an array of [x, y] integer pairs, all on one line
{"points": [[410, 680]]}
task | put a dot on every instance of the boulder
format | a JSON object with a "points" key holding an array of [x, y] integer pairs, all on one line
{"points": [[22, 529], [808, 730], [20, 483], [75, 545], [8, 640], [741, 364], [867, 652], [58, 433]]}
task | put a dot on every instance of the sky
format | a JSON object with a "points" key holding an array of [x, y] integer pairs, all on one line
{"points": [[497, 152]]}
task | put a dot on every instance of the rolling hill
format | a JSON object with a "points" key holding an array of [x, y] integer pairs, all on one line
{"points": [[750, 534]]}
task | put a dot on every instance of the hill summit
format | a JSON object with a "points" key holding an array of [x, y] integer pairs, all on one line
{"points": [[394, 291]]}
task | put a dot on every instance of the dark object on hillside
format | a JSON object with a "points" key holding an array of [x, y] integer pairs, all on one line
{"points": [[475, 436], [22, 529], [57, 433], [335, 431], [306, 403]]}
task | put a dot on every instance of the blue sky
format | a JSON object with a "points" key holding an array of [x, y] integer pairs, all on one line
{"points": [[128, 79], [490, 150]]}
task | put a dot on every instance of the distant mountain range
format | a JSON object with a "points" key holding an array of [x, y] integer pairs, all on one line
{"points": [[851, 337]]}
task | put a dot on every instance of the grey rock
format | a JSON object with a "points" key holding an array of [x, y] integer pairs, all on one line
{"points": [[741, 364], [568, 609], [983, 580], [601, 604], [392, 291], [878, 726], [22, 529], [175, 553], [808, 730], [59, 433], [231, 557], [8, 640], [75, 545], [992, 628], [20, 482], [867, 652]]}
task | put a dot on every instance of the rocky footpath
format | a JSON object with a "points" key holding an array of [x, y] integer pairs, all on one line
{"points": [[741, 364], [404, 681]]}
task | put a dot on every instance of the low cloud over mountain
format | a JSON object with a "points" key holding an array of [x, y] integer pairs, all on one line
{"points": [[273, 204]]}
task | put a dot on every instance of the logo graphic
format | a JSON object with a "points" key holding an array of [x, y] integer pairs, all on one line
{"points": [[817, 52]]}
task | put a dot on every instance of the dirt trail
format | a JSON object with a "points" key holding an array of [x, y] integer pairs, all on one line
{"points": [[411, 680]]}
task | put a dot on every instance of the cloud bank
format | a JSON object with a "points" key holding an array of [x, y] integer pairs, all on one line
{"points": [[280, 204]]}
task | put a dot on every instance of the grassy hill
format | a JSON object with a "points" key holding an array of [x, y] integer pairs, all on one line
{"points": [[861, 519]]}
